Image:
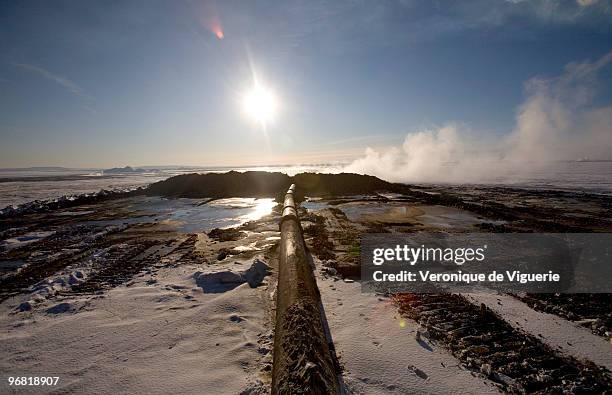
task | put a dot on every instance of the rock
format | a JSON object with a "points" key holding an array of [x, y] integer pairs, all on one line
{"points": [[486, 369], [236, 318], [223, 253], [256, 273], [328, 263], [421, 374], [74, 279], [330, 271], [510, 382]]}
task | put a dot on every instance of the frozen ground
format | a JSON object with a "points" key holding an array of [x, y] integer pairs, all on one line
{"points": [[380, 351], [385, 352], [140, 295], [566, 336], [135, 297], [23, 191], [161, 335]]}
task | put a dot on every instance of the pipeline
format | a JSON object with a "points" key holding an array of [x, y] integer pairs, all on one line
{"points": [[303, 363]]}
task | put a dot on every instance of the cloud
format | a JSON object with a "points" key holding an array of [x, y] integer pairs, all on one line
{"points": [[557, 122], [63, 81]]}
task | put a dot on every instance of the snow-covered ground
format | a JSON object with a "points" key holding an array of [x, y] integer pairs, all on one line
{"points": [[561, 334], [152, 336], [198, 316], [380, 352]]}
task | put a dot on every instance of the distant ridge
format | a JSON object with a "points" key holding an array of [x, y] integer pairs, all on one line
{"points": [[127, 170]]}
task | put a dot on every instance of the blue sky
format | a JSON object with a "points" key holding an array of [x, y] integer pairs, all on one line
{"points": [[97, 84]]}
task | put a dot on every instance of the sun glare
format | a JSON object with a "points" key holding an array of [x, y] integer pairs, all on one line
{"points": [[260, 104]]}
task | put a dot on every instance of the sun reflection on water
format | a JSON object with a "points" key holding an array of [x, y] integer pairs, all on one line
{"points": [[260, 208]]}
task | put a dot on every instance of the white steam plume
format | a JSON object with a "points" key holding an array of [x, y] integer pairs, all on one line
{"points": [[557, 122]]}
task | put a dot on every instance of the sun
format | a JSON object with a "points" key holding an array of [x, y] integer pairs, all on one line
{"points": [[260, 104]]}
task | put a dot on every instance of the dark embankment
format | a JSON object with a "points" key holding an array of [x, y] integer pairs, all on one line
{"points": [[344, 184], [220, 185], [261, 183]]}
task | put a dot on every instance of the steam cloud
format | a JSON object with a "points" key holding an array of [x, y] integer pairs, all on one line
{"points": [[557, 122]]}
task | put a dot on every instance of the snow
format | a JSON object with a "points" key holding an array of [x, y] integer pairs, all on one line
{"points": [[557, 332], [166, 337], [380, 351]]}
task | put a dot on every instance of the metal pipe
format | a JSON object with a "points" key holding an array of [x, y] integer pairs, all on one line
{"points": [[302, 358]]}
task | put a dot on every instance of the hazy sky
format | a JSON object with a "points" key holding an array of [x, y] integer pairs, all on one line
{"points": [[97, 84]]}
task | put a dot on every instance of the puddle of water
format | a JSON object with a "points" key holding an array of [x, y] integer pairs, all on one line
{"points": [[354, 211], [191, 216], [314, 204], [223, 213], [258, 209], [448, 217], [432, 216], [448, 221]]}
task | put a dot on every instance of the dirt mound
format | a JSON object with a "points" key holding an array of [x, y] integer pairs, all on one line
{"points": [[219, 185], [261, 183], [344, 184]]}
